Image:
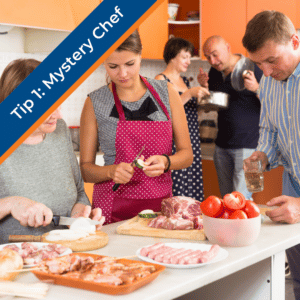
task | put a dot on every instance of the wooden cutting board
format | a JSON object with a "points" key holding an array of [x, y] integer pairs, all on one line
{"points": [[91, 242], [138, 226]]}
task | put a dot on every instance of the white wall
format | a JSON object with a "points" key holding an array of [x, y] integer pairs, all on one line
{"points": [[34, 43]]}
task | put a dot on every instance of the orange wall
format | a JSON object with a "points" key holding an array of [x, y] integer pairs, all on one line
{"points": [[272, 183]]}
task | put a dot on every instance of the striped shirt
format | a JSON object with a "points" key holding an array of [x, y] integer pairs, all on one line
{"points": [[279, 134]]}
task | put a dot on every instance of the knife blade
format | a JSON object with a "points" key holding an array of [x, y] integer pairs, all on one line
{"points": [[116, 185], [59, 220]]}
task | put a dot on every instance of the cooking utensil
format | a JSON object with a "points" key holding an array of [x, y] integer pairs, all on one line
{"points": [[237, 79], [215, 101], [116, 185], [59, 220]]}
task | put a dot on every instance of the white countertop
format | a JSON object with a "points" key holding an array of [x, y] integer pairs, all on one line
{"points": [[173, 283]]}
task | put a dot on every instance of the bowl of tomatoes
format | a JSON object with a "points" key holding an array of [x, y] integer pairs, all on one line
{"points": [[232, 221]]}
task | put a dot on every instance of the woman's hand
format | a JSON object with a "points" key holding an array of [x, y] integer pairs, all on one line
{"points": [[155, 165], [122, 173], [198, 92], [30, 213]]}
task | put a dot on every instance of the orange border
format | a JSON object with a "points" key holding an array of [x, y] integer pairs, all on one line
{"points": [[79, 81]]}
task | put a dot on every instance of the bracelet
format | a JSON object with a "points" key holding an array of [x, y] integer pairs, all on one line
{"points": [[169, 163]]}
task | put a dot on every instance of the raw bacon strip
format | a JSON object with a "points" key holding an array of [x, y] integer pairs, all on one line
{"points": [[144, 251], [163, 249], [167, 258], [209, 255], [160, 257], [175, 259], [185, 260]]}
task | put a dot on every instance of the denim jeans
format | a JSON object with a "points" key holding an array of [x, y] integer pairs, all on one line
{"points": [[229, 167]]}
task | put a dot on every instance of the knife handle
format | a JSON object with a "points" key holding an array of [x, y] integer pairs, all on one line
{"points": [[116, 186], [55, 220], [24, 238]]}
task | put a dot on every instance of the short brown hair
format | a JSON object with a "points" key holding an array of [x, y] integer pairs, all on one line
{"points": [[267, 25], [174, 46], [132, 43], [14, 73]]}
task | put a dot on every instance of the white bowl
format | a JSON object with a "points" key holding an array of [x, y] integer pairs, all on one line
{"points": [[232, 232]]}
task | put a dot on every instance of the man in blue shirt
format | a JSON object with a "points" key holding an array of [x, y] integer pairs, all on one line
{"points": [[238, 128], [273, 44]]}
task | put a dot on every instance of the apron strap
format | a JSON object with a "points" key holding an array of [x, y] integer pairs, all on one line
{"points": [[118, 103], [156, 96], [152, 91]]}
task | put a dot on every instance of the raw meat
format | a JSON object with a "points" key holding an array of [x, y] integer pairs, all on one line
{"points": [[101, 271], [178, 213], [184, 206], [32, 254], [181, 256]]}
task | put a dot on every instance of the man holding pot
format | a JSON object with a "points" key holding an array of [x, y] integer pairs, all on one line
{"points": [[238, 124], [273, 44]]}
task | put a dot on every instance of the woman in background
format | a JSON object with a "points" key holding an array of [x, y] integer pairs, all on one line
{"points": [[122, 117], [177, 55]]}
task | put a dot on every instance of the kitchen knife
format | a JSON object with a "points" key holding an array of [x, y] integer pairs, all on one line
{"points": [[59, 220], [116, 185]]}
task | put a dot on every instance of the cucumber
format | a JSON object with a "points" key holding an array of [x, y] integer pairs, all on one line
{"points": [[147, 214], [140, 164]]}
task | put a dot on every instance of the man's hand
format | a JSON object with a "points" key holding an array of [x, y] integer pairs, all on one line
{"points": [[258, 155], [288, 210], [203, 78], [250, 81]]}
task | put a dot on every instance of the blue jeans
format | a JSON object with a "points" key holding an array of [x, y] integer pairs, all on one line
{"points": [[229, 167]]}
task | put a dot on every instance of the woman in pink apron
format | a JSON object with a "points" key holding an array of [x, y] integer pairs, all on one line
{"points": [[123, 117]]}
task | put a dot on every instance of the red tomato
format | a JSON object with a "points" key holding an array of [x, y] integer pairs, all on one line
{"points": [[225, 214], [212, 206], [235, 200], [251, 209], [238, 214]]}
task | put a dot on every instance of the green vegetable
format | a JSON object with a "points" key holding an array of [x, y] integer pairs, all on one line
{"points": [[140, 164], [147, 214]]}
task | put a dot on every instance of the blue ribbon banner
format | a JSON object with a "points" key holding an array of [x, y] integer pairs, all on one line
{"points": [[65, 65]]}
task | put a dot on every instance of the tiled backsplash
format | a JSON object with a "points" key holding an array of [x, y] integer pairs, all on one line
{"points": [[72, 107]]}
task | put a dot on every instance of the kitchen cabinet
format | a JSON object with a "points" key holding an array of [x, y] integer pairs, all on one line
{"points": [[229, 18], [288, 7], [225, 18], [63, 15], [155, 30]]}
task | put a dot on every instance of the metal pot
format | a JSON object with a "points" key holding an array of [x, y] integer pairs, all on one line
{"points": [[215, 101]]}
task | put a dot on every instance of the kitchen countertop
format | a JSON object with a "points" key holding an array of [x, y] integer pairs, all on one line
{"points": [[273, 240]]}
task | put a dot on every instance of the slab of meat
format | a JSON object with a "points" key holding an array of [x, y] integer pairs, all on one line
{"points": [[185, 206], [178, 213]]}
